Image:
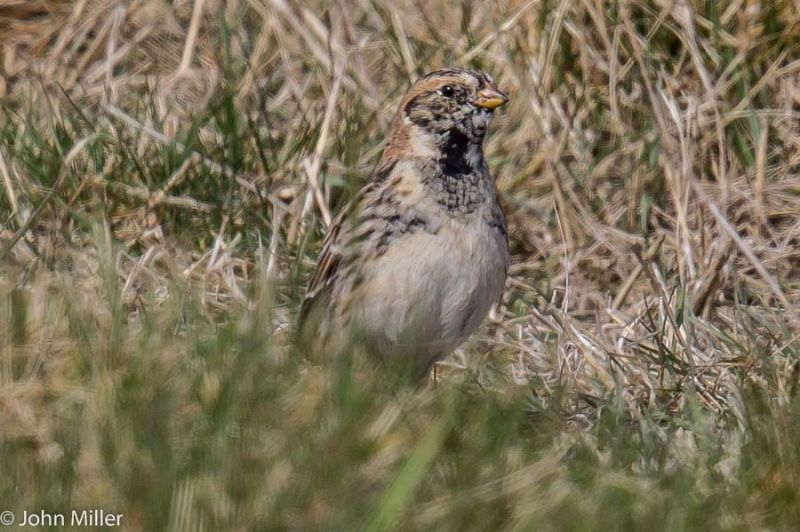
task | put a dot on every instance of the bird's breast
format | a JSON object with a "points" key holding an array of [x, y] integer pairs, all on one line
{"points": [[429, 289]]}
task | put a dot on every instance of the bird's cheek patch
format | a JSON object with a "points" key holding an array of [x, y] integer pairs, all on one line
{"points": [[420, 116]]}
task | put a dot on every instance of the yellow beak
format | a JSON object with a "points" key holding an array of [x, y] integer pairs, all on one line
{"points": [[490, 98]]}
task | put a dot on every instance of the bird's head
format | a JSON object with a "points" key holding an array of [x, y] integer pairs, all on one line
{"points": [[444, 117], [452, 101]]}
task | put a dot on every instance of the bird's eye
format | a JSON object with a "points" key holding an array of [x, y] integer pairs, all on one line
{"points": [[447, 91]]}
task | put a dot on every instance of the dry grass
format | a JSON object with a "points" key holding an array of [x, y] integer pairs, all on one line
{"points": [[153, 153]]}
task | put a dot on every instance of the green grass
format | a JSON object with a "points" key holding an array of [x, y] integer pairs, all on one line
{"points": [[157, 226], [180, 420]]}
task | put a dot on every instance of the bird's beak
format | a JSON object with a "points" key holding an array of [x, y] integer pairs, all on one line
{"points": [[490, 98]]}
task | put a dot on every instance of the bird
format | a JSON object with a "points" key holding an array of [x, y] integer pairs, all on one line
{"points": [[411, 267]]}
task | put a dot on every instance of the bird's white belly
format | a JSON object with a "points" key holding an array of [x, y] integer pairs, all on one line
{"points": [[427, 293]]}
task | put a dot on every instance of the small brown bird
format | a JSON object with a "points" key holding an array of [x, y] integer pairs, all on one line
{"points": [[410, 268]]}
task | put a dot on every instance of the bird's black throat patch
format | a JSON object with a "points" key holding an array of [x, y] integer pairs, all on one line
{"points": [[455, 154]]}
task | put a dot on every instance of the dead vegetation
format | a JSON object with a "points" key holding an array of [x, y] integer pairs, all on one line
{"points": [[648, 163]]}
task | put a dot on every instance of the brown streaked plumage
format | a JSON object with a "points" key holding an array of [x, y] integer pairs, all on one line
{"points": [[411, 266]]}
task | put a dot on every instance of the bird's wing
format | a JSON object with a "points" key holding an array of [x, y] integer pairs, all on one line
{"points": [[341, 231], [331, 257], [328, 263]]}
